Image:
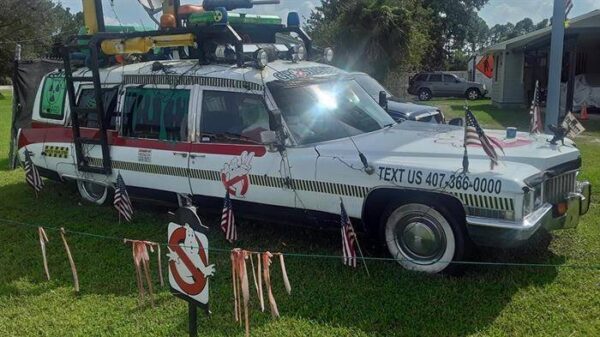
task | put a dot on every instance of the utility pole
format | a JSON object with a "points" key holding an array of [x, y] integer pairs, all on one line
{"points": [[555, 65]]}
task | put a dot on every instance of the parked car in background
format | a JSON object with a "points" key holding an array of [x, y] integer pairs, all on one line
{"points": [[426, 85], [400, 111]]}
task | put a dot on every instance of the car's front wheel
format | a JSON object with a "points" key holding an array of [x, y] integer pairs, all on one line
{"points": [[473, 94], [92, 192], [424, 94], [424, 238]]}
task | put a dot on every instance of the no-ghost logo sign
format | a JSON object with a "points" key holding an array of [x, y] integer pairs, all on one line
{"points": [[189, 268]]}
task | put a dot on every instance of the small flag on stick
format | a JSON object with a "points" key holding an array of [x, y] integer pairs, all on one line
{"points": [[122, 202], [32, 176], [349, 240], [474, 135], [535, 111], [228, 220]]}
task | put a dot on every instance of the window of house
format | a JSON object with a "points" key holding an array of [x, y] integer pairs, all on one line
{"points": [[87, 99], [233, 117], [156, 113], [435, 78], [54, 93]]}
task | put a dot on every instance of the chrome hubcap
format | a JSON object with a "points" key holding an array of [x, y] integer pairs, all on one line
{"points": [[472, 95], [421, 240]]}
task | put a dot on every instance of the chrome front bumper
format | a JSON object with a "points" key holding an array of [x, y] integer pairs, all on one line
{"points": [[499, 233]]}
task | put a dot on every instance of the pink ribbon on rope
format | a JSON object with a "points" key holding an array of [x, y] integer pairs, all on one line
{"points": [[43, 241], [71, 261], [141, 261]]}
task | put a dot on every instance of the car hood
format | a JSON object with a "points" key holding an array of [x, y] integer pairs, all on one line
{"points": [[440, 147], [408, 108]]}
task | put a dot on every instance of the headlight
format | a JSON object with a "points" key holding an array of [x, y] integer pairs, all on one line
{"points": [[527, 202], [532, 199], [484, 88], [262, 58]]}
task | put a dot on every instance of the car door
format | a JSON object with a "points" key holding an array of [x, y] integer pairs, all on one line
{"points": [[151, 151], [227, 155], [436, 84], [454, 85]]}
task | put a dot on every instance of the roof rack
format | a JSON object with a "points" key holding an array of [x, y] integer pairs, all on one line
{"points": [[201, 32]]}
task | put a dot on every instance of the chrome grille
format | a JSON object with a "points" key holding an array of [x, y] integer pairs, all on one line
{"points": [[557, 188]]}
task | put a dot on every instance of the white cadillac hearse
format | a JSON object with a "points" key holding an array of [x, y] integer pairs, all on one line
{"points": [[287, 137]]}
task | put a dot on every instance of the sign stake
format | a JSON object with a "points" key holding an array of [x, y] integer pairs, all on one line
{"points": [[192, 319]]}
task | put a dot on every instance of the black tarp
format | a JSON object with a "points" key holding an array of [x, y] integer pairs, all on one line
{"points": [[26, 79]]}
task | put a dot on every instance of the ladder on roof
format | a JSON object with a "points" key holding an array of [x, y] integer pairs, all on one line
{"points": [[82, 144]]}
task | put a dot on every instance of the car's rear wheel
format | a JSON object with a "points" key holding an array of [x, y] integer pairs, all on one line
{"points": [[92, 192], [424, 94], [473, 94], [424, 238]]}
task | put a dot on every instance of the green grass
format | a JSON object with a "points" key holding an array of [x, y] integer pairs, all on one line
{"points": [[327, 298]]}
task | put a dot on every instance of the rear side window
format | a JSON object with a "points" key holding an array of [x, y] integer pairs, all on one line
{"points": [[54, 92], [87, 99], [156, 113], [421, 78], [435, 78]]}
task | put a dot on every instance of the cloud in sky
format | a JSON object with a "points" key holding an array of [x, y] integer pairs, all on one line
{"points": [[496, 11], [503, 11]]}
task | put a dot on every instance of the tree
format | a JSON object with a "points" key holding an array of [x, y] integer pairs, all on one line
{"points": [[376, 36], [451, 21], [36, 25], [500, 33]]}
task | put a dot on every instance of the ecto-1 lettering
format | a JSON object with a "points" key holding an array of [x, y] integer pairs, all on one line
{"points": [[440, 180]]}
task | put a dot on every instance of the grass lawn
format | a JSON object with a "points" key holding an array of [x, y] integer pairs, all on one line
{"points": [[327, 298]]}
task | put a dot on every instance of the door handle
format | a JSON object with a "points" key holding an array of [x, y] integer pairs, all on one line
{"points": [[183, 154], [194, 156]]}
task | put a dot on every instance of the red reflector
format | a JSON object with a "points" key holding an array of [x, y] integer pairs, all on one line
{"points": [[561, 208]]}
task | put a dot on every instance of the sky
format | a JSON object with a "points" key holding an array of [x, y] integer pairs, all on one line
{"points": [[496, 11]]}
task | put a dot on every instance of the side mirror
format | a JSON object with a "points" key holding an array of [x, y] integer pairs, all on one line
{"points": [[383, 100], [457, 122], [269, 137]]}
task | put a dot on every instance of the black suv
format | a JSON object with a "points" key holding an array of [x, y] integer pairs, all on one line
{"points": [[438, 84]]}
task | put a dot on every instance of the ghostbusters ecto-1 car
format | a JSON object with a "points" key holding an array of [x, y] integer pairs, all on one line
{"points": [[288, 137]]}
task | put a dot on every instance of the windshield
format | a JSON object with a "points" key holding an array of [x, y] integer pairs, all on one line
{"points": [[371, 86], [327, 111]]}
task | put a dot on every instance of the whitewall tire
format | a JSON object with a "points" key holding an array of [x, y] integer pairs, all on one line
{"points": [[422, 239], [92, 192]]}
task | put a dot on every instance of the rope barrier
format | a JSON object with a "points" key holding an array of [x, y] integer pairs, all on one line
{"points": [[325, 256]]}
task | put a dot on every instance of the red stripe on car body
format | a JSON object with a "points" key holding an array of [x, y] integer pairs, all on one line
{"points": [[65, 135]]}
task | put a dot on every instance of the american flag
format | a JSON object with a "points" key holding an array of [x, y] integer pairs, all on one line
{"points": [[568, 7], [228, 220], [348, 238], [535, 111], [31, 173], [474, 135], [122, 202]]}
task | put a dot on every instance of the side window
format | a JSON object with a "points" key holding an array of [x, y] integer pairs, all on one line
{"points": [[54, 93], [435, 78], [421, 78], [87, 99], [449, 78], [156, 113], [233, 117]]}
